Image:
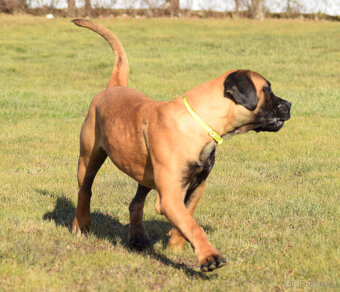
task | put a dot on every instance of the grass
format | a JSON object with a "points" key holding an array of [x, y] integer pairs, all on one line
{"points": [[272, 201]]}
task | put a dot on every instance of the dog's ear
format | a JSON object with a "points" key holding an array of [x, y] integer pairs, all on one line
{"points": [[239, 87]]}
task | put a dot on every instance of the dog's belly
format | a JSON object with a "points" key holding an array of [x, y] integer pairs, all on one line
{"points": [[134, 163], [121, 117]]}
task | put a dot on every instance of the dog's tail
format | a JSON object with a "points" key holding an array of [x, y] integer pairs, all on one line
{"points": [[120, 73]]}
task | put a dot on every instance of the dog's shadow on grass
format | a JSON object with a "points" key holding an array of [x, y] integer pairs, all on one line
{"points": [[104, 226]]}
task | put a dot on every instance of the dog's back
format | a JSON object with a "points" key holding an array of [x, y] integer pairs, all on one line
{"points": [[115, 109]]}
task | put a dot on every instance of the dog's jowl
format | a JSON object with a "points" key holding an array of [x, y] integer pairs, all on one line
{"points": [[169, 146]]}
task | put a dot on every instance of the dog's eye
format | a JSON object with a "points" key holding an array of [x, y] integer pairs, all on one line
{"points": [[267, 89]]}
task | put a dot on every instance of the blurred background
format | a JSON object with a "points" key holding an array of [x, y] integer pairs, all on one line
{"points": [[257, 9]]}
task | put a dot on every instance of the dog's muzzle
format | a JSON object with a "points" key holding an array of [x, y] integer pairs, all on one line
{"points": [[272, 118]]}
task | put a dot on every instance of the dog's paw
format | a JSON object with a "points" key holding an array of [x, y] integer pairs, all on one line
{"points": [[176, 241], [139, 241], [213, 262], [80, 229]]}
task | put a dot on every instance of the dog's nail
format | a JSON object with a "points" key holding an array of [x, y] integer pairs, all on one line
{"points": [[221, 262], [204, 268]]}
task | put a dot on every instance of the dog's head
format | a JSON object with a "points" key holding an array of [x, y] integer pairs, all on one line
{"points": [[250, 90]]}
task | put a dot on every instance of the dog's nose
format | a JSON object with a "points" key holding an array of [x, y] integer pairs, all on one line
{"points": [[284, 109], [284, 106], [288, 105]]}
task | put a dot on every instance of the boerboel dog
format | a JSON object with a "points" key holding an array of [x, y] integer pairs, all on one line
{"points": [[169, 145]]}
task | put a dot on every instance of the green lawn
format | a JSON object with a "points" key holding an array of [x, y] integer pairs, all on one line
{"points": [[272, 201]]}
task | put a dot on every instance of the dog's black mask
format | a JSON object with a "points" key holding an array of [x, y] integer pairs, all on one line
{"points": [[273, 113], [240, 88]]}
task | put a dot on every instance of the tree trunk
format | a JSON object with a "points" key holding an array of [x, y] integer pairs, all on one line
{"points": [[88, 7], [71, 8], [174, 7], [237, 7], [257, 9], [288, 9]]}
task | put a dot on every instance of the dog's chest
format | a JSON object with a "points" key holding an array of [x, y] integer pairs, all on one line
{"points": [[198, 171]]}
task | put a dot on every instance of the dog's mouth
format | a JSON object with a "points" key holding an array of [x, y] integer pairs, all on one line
{"points": [[271, 125], [275, 123], [272, 115]]}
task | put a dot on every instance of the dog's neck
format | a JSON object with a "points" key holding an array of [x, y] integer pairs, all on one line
{"points": [[207, 150], [208, 102]]}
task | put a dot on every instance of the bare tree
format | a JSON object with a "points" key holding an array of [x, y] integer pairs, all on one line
{"points": [[130, 5], [289, 7], [257, 9], [173, 6], [237, 4], [320, 6], [293, 7], [88, 7], [99, 4], [154, 4], [188, 5], [209, 5], [9, 6], [237, 7], [71, 8]]}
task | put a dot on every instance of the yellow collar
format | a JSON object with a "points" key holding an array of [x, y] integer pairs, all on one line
{"points": [[196, 117]]}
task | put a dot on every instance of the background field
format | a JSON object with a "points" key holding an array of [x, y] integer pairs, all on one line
{"points": [[272, 201]]}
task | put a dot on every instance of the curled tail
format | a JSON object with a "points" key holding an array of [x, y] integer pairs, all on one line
{"points": [[120, 72]]}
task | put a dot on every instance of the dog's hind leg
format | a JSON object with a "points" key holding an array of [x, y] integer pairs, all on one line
{"points": [[138, 238], [177, 241], [87, 170], [91, 158]]}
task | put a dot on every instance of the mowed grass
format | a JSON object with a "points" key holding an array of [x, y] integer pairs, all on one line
{"points": [[272, 201]]}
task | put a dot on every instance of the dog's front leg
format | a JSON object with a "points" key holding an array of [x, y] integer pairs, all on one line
{"points": [[173, 207], [177, 241]]}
